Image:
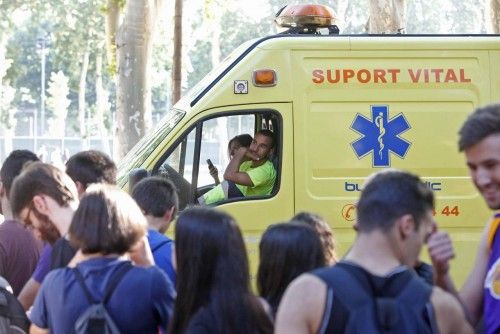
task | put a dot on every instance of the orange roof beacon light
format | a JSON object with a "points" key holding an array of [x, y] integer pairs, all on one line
{"points": [[306, 19], [264, 78]]}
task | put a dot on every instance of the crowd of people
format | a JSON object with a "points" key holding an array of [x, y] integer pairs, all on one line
{"points": [[81, 255]]}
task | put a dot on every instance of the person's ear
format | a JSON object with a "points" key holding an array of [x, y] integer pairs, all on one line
{"points": [[169, 214], [40, 204], [3, 192], [406, 225], [80, 188]]}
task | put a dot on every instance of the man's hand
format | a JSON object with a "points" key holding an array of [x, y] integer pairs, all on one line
{"points": [[441, 252], [214, 173], [244, 154]]}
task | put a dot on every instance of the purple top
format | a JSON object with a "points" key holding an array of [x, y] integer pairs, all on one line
{"points": [[492, 282], [43, 266], [19, 253]]}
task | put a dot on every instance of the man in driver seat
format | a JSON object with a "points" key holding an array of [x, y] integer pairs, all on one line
{"points": [[249, 173]]}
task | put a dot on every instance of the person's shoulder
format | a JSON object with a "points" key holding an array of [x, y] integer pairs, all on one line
{"points": [[153, 273], [156, 237], [58, 276], [301, 311], [491, 230], [160, 245], [299, 293], [13, 226]]}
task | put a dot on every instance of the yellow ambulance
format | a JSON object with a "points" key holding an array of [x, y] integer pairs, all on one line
{"points": [[342, 107]]}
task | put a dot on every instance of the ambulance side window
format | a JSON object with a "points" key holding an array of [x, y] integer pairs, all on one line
{"points": [[215, 136], [178, 167]]}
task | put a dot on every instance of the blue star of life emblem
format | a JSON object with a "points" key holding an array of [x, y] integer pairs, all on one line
{"points": [[380, 136]]}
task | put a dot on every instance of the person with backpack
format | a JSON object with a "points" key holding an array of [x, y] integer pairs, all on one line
{"points": [[157, 198], [373, 289], [104, 292], [13, 319]]}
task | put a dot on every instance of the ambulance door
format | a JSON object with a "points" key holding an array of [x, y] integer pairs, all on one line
{"points": [[185, 163]]}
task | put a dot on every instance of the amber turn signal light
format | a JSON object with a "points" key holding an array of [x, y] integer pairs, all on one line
{"points": [[264, 78]]}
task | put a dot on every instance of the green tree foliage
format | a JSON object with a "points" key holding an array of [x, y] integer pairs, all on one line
{"points": [[72, 25]]}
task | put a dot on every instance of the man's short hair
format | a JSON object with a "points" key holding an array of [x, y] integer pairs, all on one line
{"points": [[390, 194], [268, 133], [155, 195], [13, 165], [91, 166], [39, 178], [482, 123], [107, 221]]}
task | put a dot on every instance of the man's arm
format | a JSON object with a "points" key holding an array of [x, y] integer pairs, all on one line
{"points": [[232, 172], [300, 311], [28, 293], [34, 329], [471, 294], [441, 252], [449, 314]]}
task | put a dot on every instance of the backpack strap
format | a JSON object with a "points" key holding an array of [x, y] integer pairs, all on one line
{"points": [[81, 282], [355, 287], [164, 242], [115, 279], [345, 295], [113, 282], [417, 293]]}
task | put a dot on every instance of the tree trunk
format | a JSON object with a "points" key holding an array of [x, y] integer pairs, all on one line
{"points": [[81, 95], [101, 102], [133, 91], [112, 24], [387, 16], [340, 10], [493, 15], [177, 58]]}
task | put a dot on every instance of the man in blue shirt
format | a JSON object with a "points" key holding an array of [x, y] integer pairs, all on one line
{"points": [[157, 198]]}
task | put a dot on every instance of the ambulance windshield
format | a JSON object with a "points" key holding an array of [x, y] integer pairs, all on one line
{"points": [[143, 149]]}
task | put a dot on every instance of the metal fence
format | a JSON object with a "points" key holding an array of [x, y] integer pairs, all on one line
{"points": [[54, 150]]}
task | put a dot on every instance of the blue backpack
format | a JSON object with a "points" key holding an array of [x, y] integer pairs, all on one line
{"points": [[364, 303], [96, 319]]}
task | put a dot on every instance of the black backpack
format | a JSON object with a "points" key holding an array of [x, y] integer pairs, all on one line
{"points": [[363, 303], [96, 319], [13, 319]]}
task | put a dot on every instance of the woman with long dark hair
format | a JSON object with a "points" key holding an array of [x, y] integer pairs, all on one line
{"points": [[324, 232], [213, 290], [286, 251]]}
